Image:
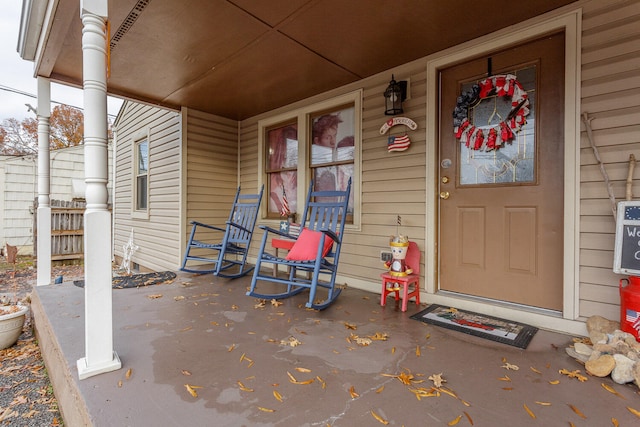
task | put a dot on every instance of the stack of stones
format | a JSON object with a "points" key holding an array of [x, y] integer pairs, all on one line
{"points": [[612, 352]]}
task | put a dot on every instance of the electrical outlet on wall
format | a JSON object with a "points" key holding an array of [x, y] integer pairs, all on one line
{"points": [[385, 256]]}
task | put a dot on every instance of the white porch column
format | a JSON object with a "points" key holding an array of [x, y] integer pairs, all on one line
{"points": [[100, 356], [43, 249]]}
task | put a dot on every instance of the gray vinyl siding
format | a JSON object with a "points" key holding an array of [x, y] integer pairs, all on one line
{"points": [[158, 237], [211, 170], [611, 98]]}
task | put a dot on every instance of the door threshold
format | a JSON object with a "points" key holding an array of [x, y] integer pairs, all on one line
{"points": [[502, 304]]}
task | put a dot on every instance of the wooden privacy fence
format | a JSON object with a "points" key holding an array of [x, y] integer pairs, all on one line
{"points": [[67, 229]]}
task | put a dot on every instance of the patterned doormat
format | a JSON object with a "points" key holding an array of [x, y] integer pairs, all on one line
{"points": [[137, 280], [479, 325]]}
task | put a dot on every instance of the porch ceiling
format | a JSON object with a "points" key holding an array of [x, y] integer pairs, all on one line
{"points": [[239, 58]]}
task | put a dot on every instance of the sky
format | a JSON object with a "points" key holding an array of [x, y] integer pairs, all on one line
{"points": [[16, 74]]}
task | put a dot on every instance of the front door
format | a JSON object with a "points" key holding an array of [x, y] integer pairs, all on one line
{"points": [[501, 210]]}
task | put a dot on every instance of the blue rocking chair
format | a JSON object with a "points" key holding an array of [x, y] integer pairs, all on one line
{"points": [[234, 248], [313, 259]]}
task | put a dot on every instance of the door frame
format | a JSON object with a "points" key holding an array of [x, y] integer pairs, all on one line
{"points": [[569, 22]]}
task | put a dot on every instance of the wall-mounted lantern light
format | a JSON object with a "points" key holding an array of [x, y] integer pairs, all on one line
{"points": [[395, 94]]}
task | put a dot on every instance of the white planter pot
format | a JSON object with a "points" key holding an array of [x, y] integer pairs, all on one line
{"points": [[11, 326]]}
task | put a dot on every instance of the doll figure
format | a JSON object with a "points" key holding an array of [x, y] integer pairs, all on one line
{"points": [[397, 266]]}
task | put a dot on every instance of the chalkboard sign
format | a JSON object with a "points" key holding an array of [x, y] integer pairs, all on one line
{"points": [[627, 252]]}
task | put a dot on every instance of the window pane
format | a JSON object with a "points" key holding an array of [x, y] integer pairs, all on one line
{"points": [[141, 192], [333, 137], [279, 182], [143, 157], [513, 162], [282, 147], [330, 178]]}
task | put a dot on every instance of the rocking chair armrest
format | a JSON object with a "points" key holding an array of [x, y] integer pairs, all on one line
{"points": [[275, 231], [233, 224], [334, 236], [201, 224]]}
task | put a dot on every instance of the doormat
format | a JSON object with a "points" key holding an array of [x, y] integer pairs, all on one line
{"points": [[137, 280], [479, 325]]}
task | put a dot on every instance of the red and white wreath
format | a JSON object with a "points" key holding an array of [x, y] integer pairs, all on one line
{"points": [[475, 138]]}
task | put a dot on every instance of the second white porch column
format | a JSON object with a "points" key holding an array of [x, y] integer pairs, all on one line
{"points": [[44, 184], [100, 356]]}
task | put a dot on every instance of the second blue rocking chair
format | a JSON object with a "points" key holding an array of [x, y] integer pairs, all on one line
{"points": [[232, 251], [313, 259]]}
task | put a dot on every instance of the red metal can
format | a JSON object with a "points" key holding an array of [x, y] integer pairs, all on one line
{"points": [[630, 306]]}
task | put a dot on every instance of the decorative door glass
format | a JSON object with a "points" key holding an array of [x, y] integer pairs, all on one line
{"points": [[515, 161]]}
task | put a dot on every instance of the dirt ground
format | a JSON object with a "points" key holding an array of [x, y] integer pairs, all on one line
{"points": [[26, 395]]}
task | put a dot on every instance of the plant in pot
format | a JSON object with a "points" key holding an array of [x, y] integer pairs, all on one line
{"points": [[12, 313]]}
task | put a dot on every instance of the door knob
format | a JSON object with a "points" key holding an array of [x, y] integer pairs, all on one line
{"points": [[444, 195]]}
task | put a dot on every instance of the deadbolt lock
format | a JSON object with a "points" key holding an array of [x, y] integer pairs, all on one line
{"points": [[445, 179], [444, 195]]}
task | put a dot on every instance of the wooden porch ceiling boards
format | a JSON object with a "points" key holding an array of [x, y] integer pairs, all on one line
{"points": [[239, 58]]}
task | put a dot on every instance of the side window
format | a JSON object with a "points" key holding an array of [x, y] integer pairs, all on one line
{"points": [[282, 169], [141, 175]]}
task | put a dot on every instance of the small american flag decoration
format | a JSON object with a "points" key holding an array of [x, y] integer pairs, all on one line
{"points": [[398, 143]]}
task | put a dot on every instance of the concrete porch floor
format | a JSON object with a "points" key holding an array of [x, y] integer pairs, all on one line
{"points": [[205, 332]]}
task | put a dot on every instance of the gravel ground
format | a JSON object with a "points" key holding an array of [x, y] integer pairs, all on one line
{"points": [[26, 394]]}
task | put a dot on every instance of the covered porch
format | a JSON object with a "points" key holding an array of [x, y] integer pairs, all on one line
{"points": [[238, 358]]}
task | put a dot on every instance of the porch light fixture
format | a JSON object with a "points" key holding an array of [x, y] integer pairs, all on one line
{"points": [[394, 95]]}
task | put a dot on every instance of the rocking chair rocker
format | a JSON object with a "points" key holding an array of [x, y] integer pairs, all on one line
{"points": [[314, 255], [234, 248]]}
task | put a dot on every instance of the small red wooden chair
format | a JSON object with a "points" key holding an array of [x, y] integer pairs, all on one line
{"points": [[391, 284]]}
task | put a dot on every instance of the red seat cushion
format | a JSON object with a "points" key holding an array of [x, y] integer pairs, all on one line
{"points": [[306, 246]]}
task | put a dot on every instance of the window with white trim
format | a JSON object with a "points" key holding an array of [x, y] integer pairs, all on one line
{"points": [[319, 143], [141, 175]]}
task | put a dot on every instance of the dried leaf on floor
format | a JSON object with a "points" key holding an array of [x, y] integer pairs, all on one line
{"points": [[510, 367], [611, 390], [299, 369], [350, 326], [634, 411], [353, 393], [543, 403], [276, 303], [468, 418], [178, 298], [554, 382], [379, 418], [262, 303], [321, 381], [186, 373], [577, 411], [455, 421], [505, 378], [154, 296], [379, 390], [615, 422], [277, 395], [574, 374], [192, 389], [531, 414], [379, 336], [535, 370], [291, 341], [266, 409], [243, 388], [231, 347], [128, 374], [417, 351], [437, 379]]}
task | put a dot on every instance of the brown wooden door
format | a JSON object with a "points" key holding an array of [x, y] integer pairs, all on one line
{"points": [[501, 211]]}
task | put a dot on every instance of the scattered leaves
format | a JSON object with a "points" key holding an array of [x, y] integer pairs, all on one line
{"points": [[243, 388], [577, 411], [611, 390], [455, 421], [291, 341], [505, 378], [378, 336], [509, 367], [154, 296], [379, 418], [531, 414], [634, 411], [574, 374], [277, 395], [192, 389], [276, 303], [350, 326], [353, 393], [437, 379], [266, 409]]}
